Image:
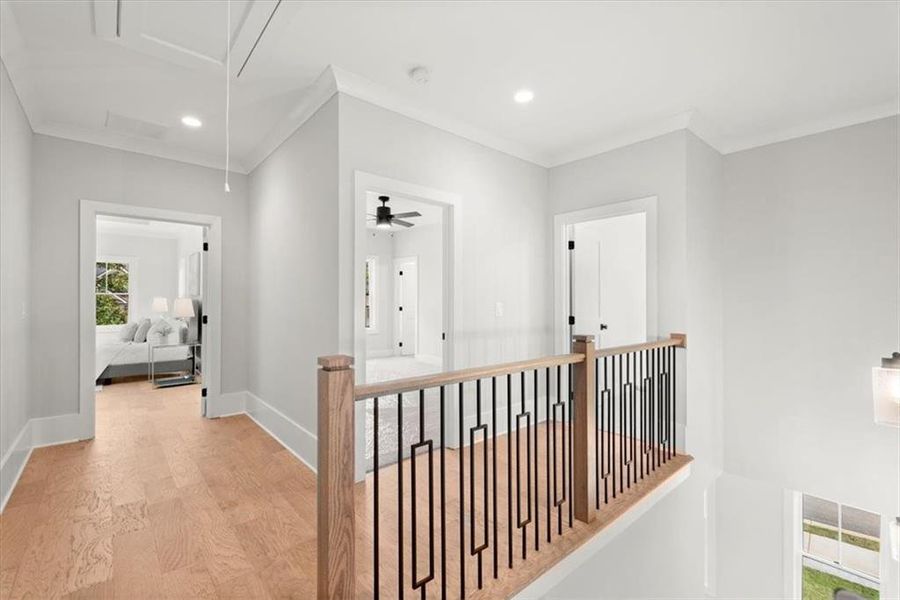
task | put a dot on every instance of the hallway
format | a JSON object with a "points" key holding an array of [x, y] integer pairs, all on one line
{"points": [[162, 504]]}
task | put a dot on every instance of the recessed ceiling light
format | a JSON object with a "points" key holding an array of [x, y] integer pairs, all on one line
{"points": [[524, 96], [192, 122]]}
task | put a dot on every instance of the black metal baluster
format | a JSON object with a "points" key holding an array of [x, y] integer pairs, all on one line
{"points": [[473, 549], [547, 443], [613, 438], [443, 505], [597, 450], [658, 405], [673, 447], [417, 583], [567, 420], [376, 554], [400, 494], [509, 465], [523, 524], [494, 449], [537, 454], [462, 498], [634, 384], [621, 428], [557, 501]]}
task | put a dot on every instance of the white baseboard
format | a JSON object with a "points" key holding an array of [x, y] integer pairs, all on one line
{"points": [[226, 405], [551, 578], [13, 463], [301, 442], [58, 429]]}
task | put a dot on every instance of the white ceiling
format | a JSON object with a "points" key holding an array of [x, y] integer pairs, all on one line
{"points": [[739, 74]]}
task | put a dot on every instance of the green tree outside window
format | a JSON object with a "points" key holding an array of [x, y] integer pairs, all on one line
{"points": [[111, 288]]}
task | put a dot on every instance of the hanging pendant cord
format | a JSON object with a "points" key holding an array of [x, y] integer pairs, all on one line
{"points": [[227, 91]]}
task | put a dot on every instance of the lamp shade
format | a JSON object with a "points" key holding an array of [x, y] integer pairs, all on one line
{"points": [[184, 308], [886, 391], [160, 304]]}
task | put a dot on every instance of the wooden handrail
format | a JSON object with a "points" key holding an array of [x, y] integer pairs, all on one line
{"points": [[412, 384]]}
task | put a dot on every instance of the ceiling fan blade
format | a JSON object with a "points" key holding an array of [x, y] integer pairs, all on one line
{"points": [[401, 223], [407, 214]]}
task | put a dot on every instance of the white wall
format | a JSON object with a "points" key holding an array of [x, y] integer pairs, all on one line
{"points": [[425, 243], [67, 172], [675, 541], [810, 305], [379, 342], [502, 236], [155, 269], [15, 265], [294, 268]]}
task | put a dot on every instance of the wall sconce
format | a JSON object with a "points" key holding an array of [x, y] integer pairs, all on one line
{"points": [[886, 391]]}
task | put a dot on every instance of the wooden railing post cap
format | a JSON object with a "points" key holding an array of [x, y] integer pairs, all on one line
{"points": [[335, 362], [682, 337], [583, 338]]}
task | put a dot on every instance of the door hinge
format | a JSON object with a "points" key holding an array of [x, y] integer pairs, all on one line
{"points": [[443, 336], [400, 308], [401, 344], [571, 244], [206, 246], [571, 320], [401, 273], [203, 393], [205, 320]]}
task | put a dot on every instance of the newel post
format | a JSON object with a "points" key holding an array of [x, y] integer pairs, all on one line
{"points": [[334, 496], [584, 424]]}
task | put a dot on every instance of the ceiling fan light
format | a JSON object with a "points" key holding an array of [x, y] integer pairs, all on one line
{"points": [[383, 225]]}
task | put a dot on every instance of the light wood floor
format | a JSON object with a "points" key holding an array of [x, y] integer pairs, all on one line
{"points": [[165, 504], [162, 504]]}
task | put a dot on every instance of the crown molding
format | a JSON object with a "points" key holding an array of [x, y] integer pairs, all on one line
{"points": [[364, 89], [156, 148], [846, 119], [316, 95]]}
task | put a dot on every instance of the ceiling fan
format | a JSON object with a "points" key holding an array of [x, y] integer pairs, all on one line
{"points": [[384, 219]]}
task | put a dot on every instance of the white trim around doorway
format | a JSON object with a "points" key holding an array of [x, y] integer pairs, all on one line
{"points": [[561, 226], [212, 302]]}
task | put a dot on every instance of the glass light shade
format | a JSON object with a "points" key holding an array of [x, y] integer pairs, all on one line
{"points": [[184, 308], [160, 305], [383, 225], [886, 393]]}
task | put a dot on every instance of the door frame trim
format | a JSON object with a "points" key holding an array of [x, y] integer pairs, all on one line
{"points": [[212, 302], [562, 224]]}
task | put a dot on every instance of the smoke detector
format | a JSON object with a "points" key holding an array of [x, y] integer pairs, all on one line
{"points": [[420, 75]]}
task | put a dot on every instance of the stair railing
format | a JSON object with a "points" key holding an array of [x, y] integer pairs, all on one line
{"points": [[564, 436]]}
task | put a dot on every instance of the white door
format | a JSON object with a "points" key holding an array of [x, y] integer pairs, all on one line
{"points": [[608, 287], [406, 304], [204, 327]]}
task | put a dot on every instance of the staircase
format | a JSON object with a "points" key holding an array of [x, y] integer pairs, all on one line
{"points": [[526, 463]]}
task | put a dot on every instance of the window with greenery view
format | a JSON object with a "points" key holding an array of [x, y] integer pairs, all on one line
{"points": [[841, 550], [111, 289]]}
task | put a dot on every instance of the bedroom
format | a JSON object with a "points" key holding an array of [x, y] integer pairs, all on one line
{"points": [[148, 296]]}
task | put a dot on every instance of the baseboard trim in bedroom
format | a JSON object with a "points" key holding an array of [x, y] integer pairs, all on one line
{"points": [[227, 405], [299, 441]]}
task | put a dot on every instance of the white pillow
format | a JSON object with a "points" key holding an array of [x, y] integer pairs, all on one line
{"points": [[160, 330], [126, 334], [140, 335]]}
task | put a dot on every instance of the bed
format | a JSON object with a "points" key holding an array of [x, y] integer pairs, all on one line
{"points": [[115, 358]]}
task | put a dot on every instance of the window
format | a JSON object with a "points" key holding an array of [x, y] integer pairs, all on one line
{"points": [[841, 550], [112, 290], [370, 293]]}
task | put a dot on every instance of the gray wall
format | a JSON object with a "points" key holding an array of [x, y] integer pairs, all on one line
{"points": [[811, 304], [294, 267], [504, 241], [15, 264], [67, 172]]}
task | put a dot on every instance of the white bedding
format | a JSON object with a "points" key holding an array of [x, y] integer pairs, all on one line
{"points": [[130, 353]]}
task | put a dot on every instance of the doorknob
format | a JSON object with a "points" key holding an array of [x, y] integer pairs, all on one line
{"points": [[603, 327]]}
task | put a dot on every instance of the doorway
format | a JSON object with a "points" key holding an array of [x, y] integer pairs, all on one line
{"points": [[608, 287], [142, 264], [606, 274]]}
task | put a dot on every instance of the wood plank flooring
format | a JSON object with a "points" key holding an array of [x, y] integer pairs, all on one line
{"points": [[165, 504]]}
